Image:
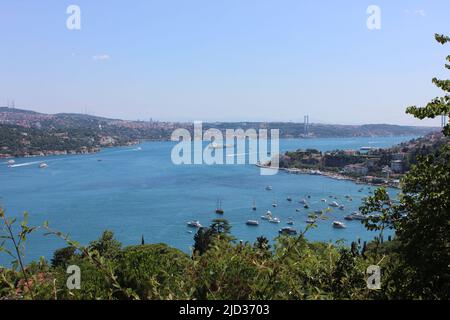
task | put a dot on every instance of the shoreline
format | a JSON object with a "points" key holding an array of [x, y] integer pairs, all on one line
{"points": [[330, 175]]}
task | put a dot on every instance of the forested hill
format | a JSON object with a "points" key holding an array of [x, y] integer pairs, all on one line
{"points": [[24, 132]]}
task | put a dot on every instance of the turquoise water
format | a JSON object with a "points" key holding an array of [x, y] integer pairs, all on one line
{"points": [[140, 192]]}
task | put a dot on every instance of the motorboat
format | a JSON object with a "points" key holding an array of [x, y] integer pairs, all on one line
{"points": [[358, 216], [288, 231], [341, 207], [43, 165], [334, 204], [306, 206], [275, 220], [310, 221], [290, 222], [324, 200], [267, 216], [289, 199], [303, 201], [252, 223], [11, 162], [339, 225], [269, 188], [349, 217], [194, 224]]}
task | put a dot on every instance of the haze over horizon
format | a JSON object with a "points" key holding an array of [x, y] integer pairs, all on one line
{"points": [[224, 61]]}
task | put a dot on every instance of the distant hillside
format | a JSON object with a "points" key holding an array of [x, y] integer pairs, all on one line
{"points": [[24, 132]]}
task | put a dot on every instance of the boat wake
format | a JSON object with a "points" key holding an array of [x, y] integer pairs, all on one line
{"points": [[24, 164]]}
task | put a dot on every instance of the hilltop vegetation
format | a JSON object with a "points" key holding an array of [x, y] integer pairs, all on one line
{"points": [[25, 133]]}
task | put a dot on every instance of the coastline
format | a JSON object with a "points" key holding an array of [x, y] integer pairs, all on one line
{"points": [[331, 175]]}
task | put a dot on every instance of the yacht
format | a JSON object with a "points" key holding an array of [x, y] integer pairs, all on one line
{"points": [[267, 216], [11, 162], [334, 204], [252, 223], [219, 209], [339, 225], [194, 224], [358, 216], [275, 220], [254, 205], [349, 217], [288, 231], [324, 200]]}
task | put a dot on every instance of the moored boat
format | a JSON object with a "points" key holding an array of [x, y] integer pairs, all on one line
{"points": [[339, 225], [194, 224], [252, 223]]}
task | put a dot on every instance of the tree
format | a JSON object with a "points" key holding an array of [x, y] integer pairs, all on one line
{"points": [[219, 229], [62, 256], [422, 217], [106, 246]]}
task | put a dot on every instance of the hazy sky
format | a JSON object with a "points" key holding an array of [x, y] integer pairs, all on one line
{"points": [[224, 59]]}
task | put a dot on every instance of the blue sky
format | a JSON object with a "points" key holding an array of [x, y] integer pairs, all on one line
{"points": [[224, 59]]}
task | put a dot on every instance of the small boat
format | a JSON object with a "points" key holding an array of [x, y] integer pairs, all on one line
{"points": [[306, 206], [289, 199], [11, 162], [334, 204], [43, 165], [290, 222], [297, 210], [254, 205], [318, 212], [310, 221], [219, 209], [339, 225], [341, 207], [288, 231], [358, 216], [324, 200], [194, 224], [267, 216], [274, 204], [269, 188], [303, 201], [275, 220], [348, 218], [252, 223]]}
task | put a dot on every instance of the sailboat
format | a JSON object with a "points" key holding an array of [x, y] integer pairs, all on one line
{"points": [[254, 205], [219, 209]]}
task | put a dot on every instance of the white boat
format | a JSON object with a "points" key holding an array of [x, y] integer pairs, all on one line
{"points": [[252, 223], [349, 217], [310, 221], [275, 220], [267, 216], [269, 188], [318, 212], [358, 216], [339, 225], [43, 165], [334, 204], [324, 200], [11, 162], [303, 201], [341, 207], [274, 205], [297, 210], [290, 222], [194, 224]]}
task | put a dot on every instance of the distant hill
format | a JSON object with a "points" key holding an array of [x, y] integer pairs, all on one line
{"points": [[25, 132]]}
